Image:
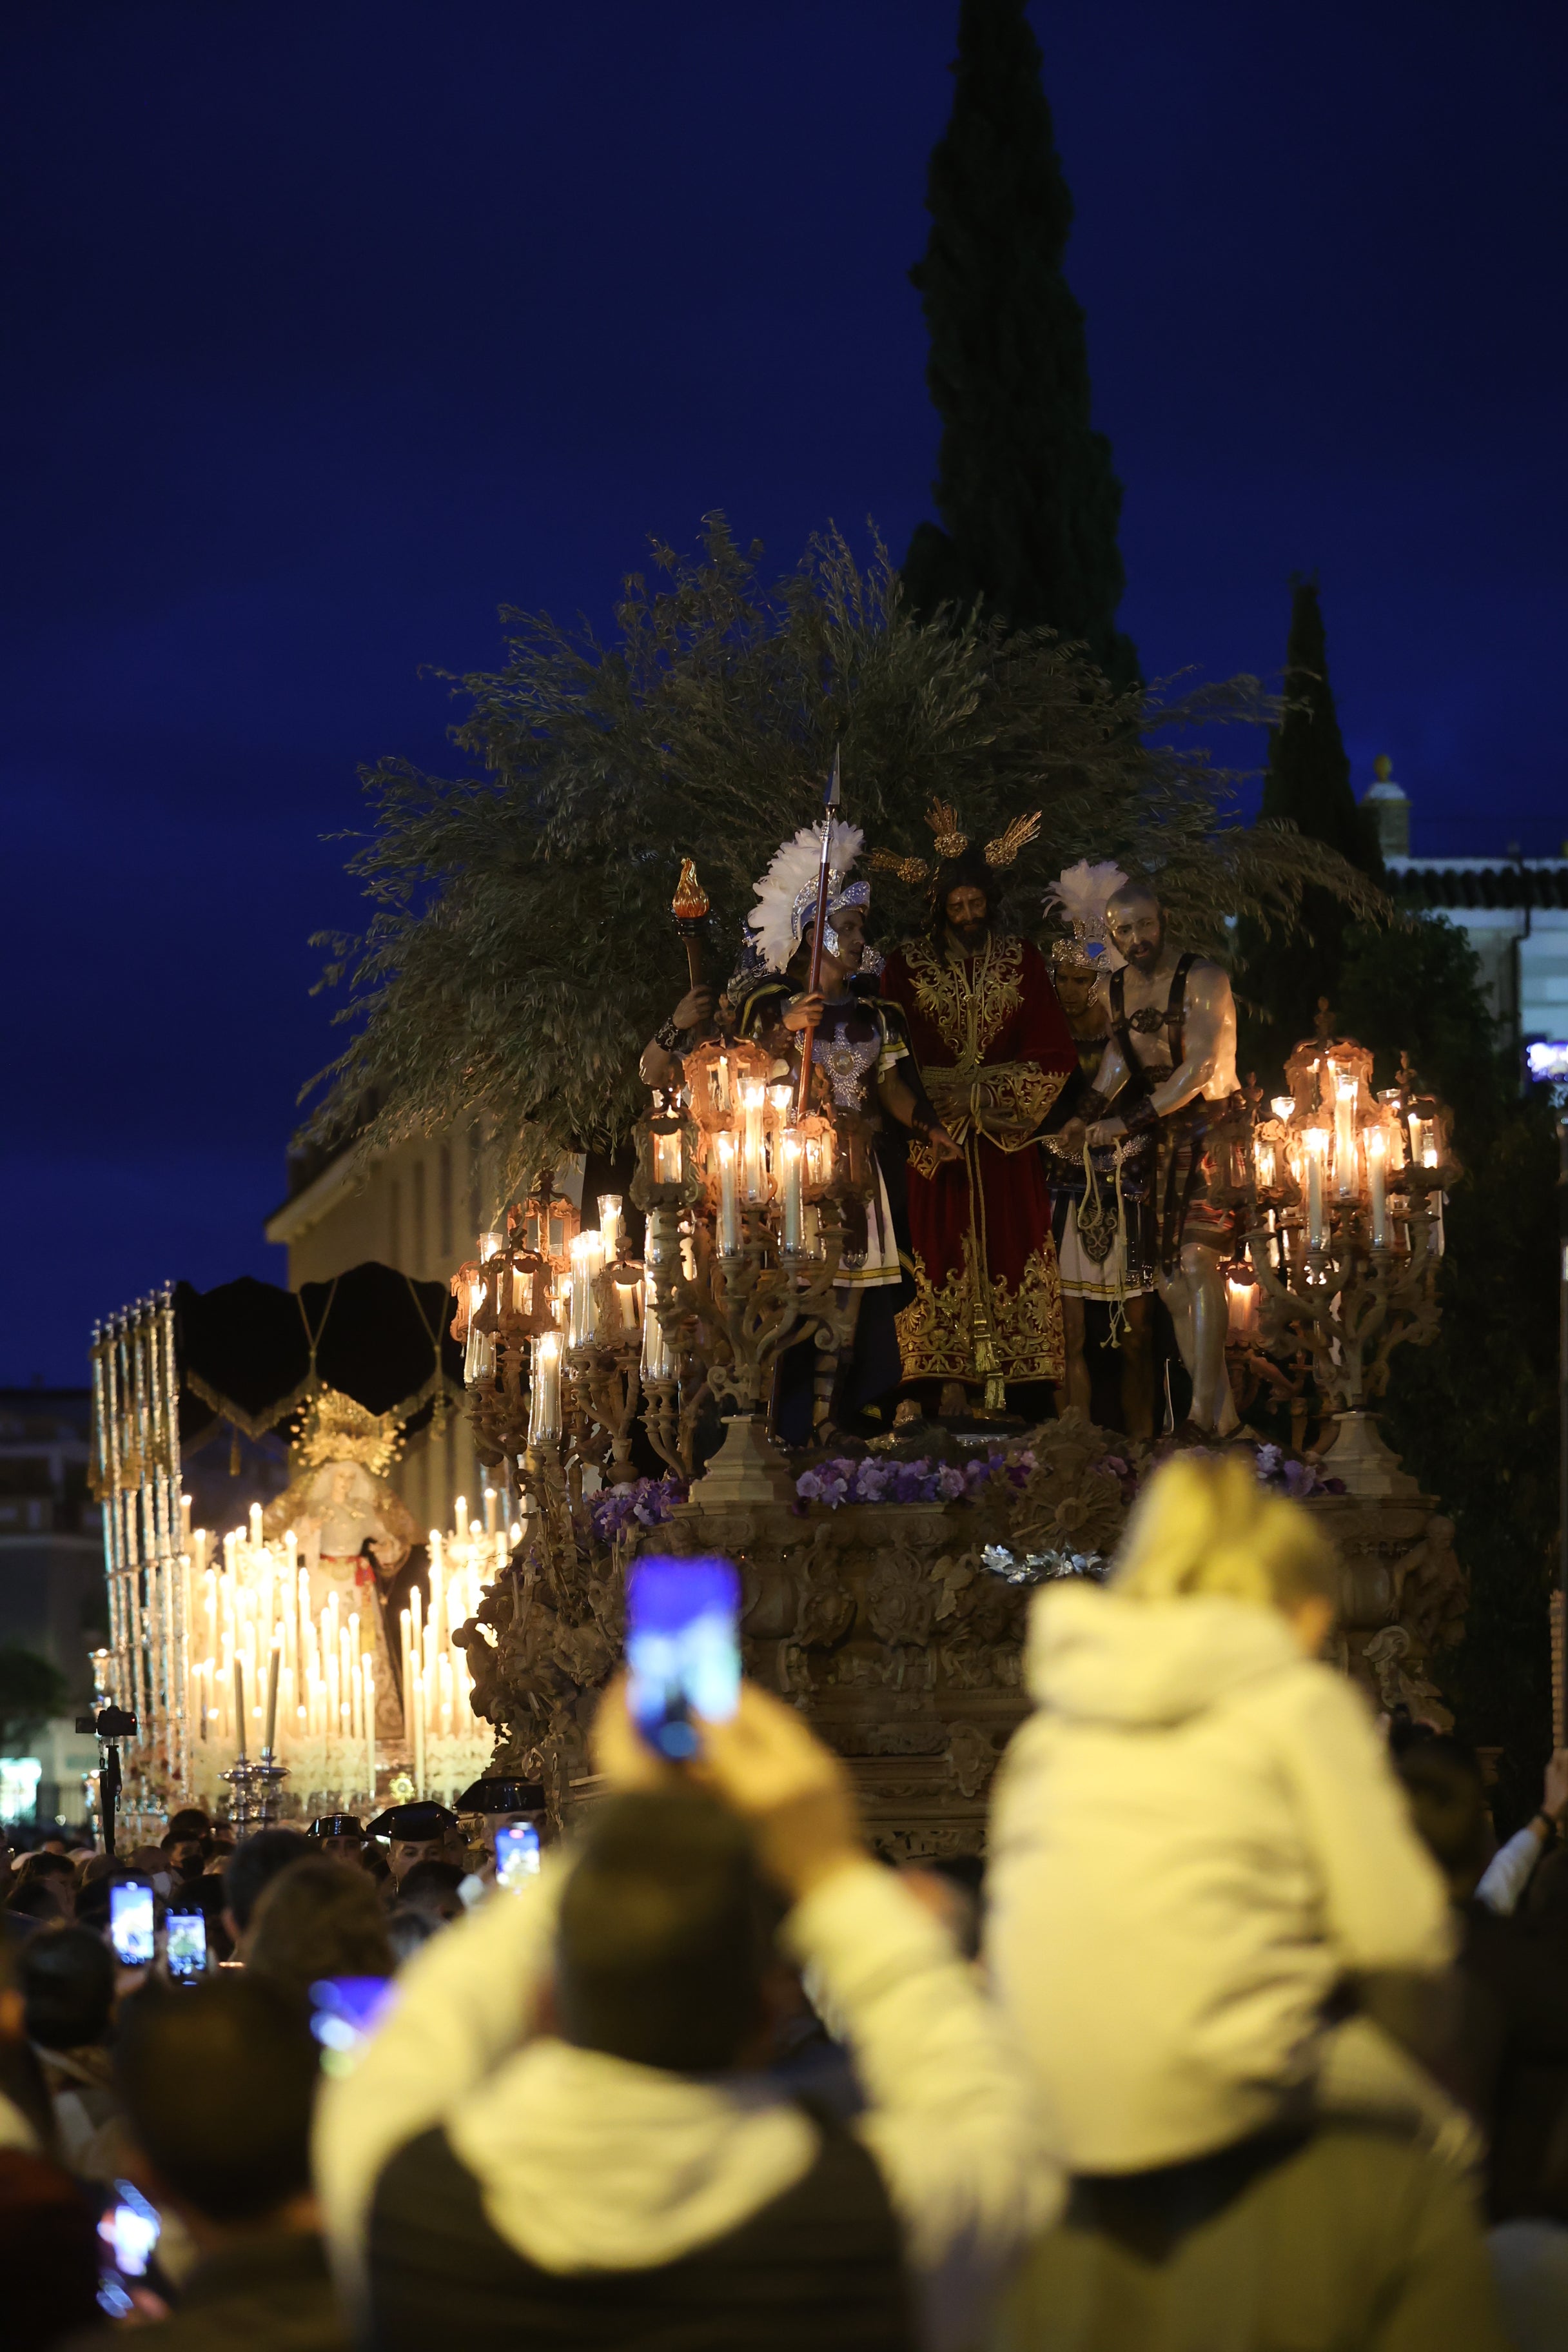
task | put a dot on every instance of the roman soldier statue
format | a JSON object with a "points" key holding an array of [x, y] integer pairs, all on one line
{"points": [[861, 1049], [1098, 1198], [1169, 1071]]}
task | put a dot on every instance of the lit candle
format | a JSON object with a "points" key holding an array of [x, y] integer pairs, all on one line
{"points": [[272, 1699], [666, 1156], [1283, 1107], [544, 1402], [1347, 1164], [628, 1299], [492, 1510], [492, 1246], [754, 1165], [610, 1225], [1423, 1141], [1377, 1180], [1316, 1167], [239, 1710], [1263, 1160], [819, 1156], [729, 1197], [791, 1154], [1242, 1298]]}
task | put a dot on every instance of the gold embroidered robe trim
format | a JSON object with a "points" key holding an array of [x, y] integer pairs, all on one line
{"points": [[968, 1014], [946, 1334]]}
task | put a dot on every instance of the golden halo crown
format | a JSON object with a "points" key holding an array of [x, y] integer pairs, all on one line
{"points": [[338, 1430]]}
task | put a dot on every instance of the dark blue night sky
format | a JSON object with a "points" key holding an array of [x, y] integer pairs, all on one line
{"points": [[330, 327]]}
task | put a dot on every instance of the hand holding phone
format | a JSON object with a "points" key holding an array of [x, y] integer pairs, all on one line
{"points": [[683, 1650], [185, 1946], [516, 1853], [130, 1923], [344, 2014], [765, 1765]]}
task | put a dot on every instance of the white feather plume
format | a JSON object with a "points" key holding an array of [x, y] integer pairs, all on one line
{"points": [[795, 869], [1084, 892]]}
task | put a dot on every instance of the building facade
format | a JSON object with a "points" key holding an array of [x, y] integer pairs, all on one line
{"points": [[1513, 910], [51, 1584]]}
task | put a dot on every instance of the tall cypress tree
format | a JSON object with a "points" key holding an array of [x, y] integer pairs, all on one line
{"points": [[1025, 487], [1309, 784]]}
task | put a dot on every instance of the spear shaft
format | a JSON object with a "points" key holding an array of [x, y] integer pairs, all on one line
{"points": [[808, 1034]]}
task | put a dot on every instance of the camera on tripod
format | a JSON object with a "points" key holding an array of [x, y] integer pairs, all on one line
{"points": [[109, 1723]]}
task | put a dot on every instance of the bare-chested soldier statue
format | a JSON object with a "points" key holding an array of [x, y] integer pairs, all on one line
{"points": [[1171, 1065]]}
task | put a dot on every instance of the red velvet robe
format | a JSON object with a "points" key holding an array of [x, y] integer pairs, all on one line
{"points": [[995, 1050]]}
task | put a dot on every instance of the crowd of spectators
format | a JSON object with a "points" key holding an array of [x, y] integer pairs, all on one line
{"points": [[1245, 2035]]}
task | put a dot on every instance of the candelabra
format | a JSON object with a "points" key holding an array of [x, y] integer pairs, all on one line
{"points": [[1342, 1187], [741, 1194]]}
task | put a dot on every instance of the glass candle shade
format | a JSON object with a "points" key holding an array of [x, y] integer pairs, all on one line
{"points": [[754, 1145], [522, 1291], [1347, 1156], [1424, 1142], [587, 1260], [628, 1305], [666, 1156], [1376, 1140], [1317, 1153], [610, 1221], [479, 1355], [544, 1396], [819, 1158], [792, 1157], [1263, 1165], [657, 1362], [729, 1194], [1284, 1107], [492, 1246]]}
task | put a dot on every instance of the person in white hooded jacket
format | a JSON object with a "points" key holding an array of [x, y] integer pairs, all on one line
{"points": [[1206, 1901], [565, 2133], [1197, 1838]]}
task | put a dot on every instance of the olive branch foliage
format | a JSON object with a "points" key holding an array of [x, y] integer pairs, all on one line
{"points": [[520, 948]]}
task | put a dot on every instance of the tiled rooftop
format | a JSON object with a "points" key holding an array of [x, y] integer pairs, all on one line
{"points": [[1478, 882]]}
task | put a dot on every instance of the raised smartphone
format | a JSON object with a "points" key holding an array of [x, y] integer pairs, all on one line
{"points": [[130, 1923], [683, 1649], [517, 1852], [186, 1944], [128, 2232], [344, 2013]]}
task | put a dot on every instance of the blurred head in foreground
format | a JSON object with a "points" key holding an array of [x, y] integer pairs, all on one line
{"points": [[217, 2080], [662, 1949], [317, 1919], [1208, 1528]]}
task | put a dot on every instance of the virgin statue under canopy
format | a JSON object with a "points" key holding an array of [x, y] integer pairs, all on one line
{"points": [[353, 1528]]}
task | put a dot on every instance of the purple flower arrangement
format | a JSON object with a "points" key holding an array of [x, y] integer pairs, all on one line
{"points": [[646, 1502], [873, 1481], [1297, 1479]]}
